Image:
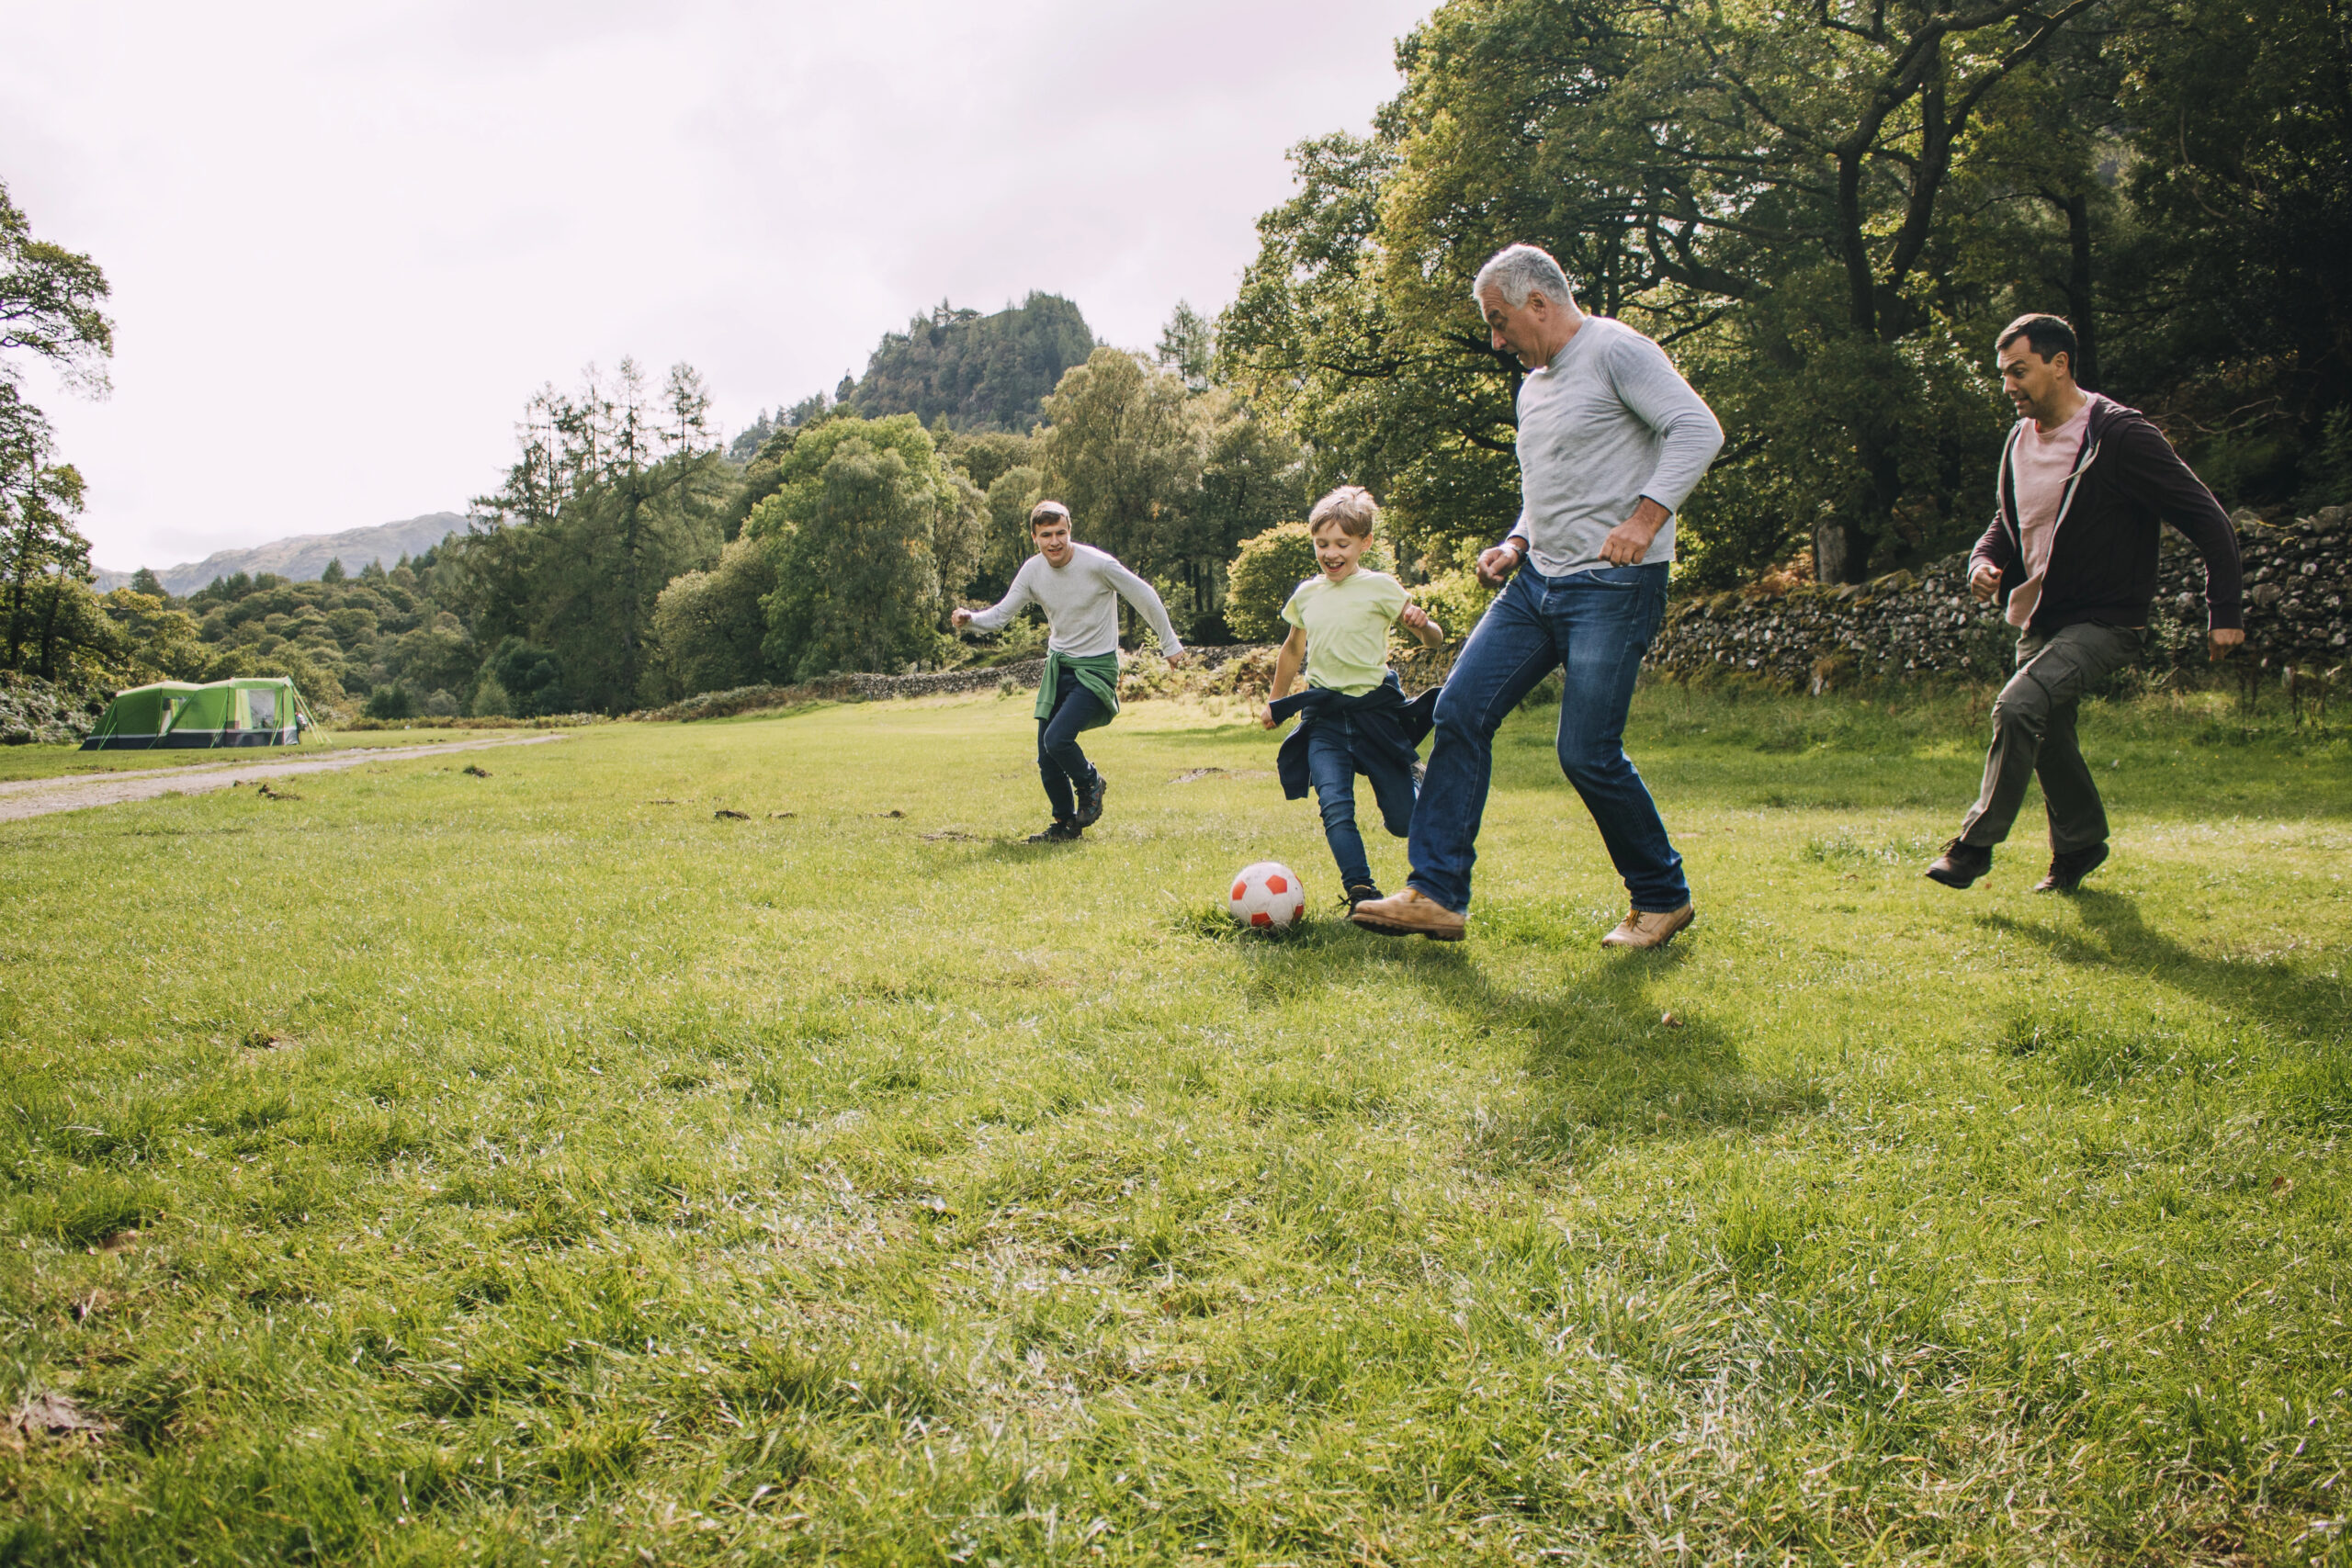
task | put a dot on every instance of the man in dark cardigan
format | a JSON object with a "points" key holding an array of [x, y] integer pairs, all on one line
{"points": [[2085, 486]]}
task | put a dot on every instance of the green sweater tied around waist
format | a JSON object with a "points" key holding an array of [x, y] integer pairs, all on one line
{"points": [[1099, 673]]}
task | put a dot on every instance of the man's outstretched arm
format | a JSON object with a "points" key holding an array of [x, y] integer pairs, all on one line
{"points": [[2153, 474], [996, 615], [1146, 599]]}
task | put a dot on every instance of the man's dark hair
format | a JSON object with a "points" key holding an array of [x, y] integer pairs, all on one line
{"points": [[2048, 335], [1048, 509]]}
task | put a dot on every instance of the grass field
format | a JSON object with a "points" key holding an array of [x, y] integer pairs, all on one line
{"points": [[539, 1168]]}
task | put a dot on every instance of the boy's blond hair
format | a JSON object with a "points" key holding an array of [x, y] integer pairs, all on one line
{"points": [[1351, 507]]}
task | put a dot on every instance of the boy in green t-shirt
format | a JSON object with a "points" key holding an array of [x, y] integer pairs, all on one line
{"points": [[1355, 717]]}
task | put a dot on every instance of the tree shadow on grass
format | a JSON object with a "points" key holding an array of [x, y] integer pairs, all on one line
{"points": [[2264, 990]]}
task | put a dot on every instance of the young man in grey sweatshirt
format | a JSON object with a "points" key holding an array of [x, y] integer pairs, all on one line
{"points": [[1611, 440], [1079, 587]]}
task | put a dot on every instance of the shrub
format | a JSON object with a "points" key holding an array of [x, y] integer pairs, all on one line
{"points": [[1265, 572], [391, 702], [1456, 600], [707, 625], [531, 677]]}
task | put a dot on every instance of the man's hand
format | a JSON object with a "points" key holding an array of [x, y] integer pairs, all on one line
{"points": [[2220, 640], [1496, 565], [1177, 659], [1266, 719], [1630, 540], [961, 617], [1984, 579]]}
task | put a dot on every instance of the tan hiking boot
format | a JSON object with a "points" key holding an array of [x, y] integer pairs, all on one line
{"points": [[1409, 914], [1645, 927]]}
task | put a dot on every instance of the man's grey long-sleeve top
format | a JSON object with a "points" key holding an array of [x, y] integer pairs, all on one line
{"points": [[1082, 601], [1607, 422]]}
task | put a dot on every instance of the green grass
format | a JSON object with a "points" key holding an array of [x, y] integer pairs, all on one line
{"points": [[539, 1168]]}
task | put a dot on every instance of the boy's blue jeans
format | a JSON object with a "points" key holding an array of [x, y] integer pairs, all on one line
{"points": [[1595, 625], [1331, 767]]}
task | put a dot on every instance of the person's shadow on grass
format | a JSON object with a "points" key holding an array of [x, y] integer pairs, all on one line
{"points": [[2115, 936], [1604, 1059]]}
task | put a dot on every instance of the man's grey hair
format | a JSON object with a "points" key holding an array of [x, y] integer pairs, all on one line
{"points": [[1517, 271]]}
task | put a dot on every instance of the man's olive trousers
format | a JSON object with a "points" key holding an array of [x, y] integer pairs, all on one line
{"points": [[2033, 736]]}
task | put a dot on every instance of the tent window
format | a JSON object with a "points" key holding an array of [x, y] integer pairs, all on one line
{"points": [[262, 710]]}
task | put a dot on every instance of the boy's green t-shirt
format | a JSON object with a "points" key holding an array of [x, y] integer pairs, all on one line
{"points": [[1347, 624]]}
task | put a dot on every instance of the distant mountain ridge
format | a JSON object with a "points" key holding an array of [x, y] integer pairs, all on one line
{"points": [[305, 556]]}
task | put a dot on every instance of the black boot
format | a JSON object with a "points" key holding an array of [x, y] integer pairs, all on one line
{"points": [[1961, 863], [1065, 831], [2067, 870], [1089, 800], [1360, 891]]}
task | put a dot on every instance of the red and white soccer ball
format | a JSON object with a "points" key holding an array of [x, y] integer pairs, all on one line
{"points": [[1266, 894]]}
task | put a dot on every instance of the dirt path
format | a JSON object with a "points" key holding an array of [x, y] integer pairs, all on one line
{"points": [[39, 797]]}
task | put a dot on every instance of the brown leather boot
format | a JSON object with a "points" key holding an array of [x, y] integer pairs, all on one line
{"points": [[1409, 913], [2067, 870], [1959, 864], [1649, 927]]}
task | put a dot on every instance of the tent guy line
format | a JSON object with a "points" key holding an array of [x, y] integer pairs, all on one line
{"points": [[39, 797]]}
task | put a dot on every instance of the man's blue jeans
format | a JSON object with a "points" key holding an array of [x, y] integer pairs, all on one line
{"points": [[1061, 766], [1331, 767], [1595, 625]]}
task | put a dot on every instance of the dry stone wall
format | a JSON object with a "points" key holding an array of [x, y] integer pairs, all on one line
{"points": [[1908, 625]]}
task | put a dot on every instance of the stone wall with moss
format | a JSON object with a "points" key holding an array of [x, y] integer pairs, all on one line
{"points": [[1909, 625]]}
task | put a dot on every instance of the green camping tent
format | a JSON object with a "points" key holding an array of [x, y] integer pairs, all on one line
{"points": [[255, 711]]}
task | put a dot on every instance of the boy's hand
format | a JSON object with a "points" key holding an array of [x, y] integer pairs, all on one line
{"points": [[1414, 619], [1266, 719]]}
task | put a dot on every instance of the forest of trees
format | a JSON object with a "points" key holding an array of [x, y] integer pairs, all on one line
{"points": [[1825, 213]]}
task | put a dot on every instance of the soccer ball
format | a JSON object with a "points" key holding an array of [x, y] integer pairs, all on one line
{"points": [[1266, 894]]}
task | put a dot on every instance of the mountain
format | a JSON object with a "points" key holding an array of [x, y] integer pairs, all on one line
{"points": [[304, 555], [982, 372]]}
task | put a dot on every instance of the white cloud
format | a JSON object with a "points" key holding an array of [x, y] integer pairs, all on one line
{"points": [[347, 242]]}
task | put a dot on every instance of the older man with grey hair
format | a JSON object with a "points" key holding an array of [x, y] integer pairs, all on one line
{"points": [[1611, 439]]}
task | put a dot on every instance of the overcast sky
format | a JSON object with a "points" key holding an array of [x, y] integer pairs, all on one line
{"points": [[347, 241]]}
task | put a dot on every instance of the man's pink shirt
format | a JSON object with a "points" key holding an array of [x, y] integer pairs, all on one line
{"points": [[2040, 465]]}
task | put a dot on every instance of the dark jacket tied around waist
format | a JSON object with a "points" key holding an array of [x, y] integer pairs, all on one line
{"points": [[2127, 483], [1387, 728]]}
